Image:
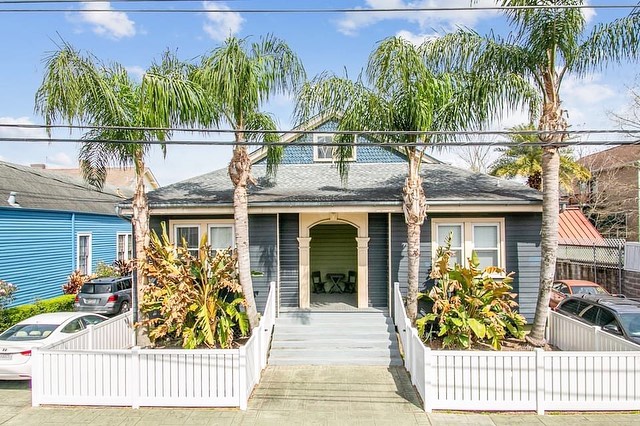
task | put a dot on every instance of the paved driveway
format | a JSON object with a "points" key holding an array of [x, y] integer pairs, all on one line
{"points": [[300, 395]]}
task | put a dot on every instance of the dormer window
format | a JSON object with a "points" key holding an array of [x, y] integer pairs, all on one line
{"points": [[323, 150]]}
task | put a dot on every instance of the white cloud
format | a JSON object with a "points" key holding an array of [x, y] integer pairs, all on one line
{"points": [[415, 39], [221, 25], [136, 72], [589, 90], [60, 159], [109, 24], [20, 132], [352, 22]]}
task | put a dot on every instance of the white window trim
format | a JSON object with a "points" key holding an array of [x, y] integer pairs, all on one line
{"points": [[317, 159], [467, 235], [202, 225], [90, 249], [128, 243]]}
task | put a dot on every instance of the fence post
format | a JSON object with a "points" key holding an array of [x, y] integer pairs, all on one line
{"points": [[620, 265], [595, 267], [242, 378], [427, 380], [540, 386], [596, 338], [90, 327], [134, 377], [36, 376]]}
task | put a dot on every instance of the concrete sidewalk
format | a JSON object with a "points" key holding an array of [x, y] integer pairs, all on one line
{"points": [[298, 395]]}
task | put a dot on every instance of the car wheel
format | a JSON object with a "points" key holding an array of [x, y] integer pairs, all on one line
{"points": [[124, 307]]}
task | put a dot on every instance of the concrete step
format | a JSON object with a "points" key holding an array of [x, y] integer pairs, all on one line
{"points": [[332, 338]]}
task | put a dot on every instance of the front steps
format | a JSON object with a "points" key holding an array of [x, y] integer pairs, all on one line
{"points": [[334, 338]]}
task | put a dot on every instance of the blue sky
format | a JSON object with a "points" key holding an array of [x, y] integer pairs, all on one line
{"points": [[325, 42]]}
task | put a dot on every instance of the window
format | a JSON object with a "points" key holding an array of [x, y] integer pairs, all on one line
{"points": [[484, 236], [220, 234], [84, 254], [73, 327], [189, 234], [125, 247], [326, 152]]}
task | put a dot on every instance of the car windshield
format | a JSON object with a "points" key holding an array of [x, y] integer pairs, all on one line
{"points": [[584, 289], [631, 323], [91, 288], [20, 332]]}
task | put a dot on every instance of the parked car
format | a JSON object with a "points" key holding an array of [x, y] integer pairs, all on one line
{"points": [[564, 288], [616, 315], [17, 341], [107, 296]]}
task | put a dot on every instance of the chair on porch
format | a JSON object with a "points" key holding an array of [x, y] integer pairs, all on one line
{"points": [[316, 281], [351, 284]]}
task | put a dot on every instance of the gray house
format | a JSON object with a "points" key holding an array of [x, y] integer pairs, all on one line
{"points": [[306, 224]]}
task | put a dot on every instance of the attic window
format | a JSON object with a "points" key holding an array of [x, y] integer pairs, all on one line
{"points": [[323, 152]]}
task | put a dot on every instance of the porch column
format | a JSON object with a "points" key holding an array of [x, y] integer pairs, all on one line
{"points": [[363, 272], [304, 244]]}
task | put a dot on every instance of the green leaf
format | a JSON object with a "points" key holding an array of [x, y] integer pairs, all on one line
{"points": [[477, 327]]}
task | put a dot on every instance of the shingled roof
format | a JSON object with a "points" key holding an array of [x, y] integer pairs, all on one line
{"points": [[368, 184], [611, 158], [47, 190]]}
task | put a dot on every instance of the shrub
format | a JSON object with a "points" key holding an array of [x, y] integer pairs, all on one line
{"points": [[103, 270], [11, 316], [74, 283], [195, 300], [123, 267], [469, 304], [7, 290]]}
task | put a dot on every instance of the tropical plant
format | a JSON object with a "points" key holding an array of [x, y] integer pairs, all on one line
{"points": [[240, 77], [525, 159], [74, 282], [104, 270], [545, 46], [123, 116], [194, 299], [122, 267], [469, 304], [400, 95], [7, 291]]}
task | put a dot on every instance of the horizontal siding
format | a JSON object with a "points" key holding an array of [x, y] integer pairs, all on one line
{"points": [[38, 248], [378, 260], [333, 249], [523, 258], [263, 254], [399, 262], [289, 263]]}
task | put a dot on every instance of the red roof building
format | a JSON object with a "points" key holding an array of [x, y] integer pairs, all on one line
{"points": [[575, 229]]}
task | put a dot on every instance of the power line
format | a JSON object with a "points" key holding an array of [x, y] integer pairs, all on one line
{"points": [[297, 10], [329, 132], [313, 143]]}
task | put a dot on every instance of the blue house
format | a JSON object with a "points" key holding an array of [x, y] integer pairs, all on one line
{"points": [[52, 224], [307, 229]]}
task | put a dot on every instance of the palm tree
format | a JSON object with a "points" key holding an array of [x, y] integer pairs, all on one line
{"points": [[547, 44], [240, 77], [401, 94], [525, 160], [79, 89]]}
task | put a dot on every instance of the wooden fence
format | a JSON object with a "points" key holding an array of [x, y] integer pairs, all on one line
{"points": [[82, 370], [520, 380]]}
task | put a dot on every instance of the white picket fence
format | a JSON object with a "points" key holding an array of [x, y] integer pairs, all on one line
{"points": [[87, 372], [519, 380]]}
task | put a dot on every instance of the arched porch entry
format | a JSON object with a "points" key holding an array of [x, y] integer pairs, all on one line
{"points": [[355, 225]]}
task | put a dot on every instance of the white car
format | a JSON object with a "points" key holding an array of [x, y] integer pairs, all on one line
{"points": [[17, 342]]}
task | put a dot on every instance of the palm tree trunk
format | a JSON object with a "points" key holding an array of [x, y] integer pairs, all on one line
{"points": [[240, 173], [415, 211], [140, 223]]}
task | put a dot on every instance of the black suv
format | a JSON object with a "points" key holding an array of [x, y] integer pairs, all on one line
{"points": [[615, 315], [107, 296]]}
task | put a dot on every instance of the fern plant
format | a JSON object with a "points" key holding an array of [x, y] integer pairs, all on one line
{"points": [[194, 299], [470, 304]]}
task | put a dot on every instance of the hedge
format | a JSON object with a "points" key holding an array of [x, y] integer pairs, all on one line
{"points": [[11, 316]]}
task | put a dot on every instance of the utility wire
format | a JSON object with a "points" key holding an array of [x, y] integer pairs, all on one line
{"points": [[313, 143], [306, 10], [328, 132]]}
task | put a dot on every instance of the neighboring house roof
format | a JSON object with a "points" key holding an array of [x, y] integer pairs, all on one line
{"points": [[575, 229], [123, 179], [368, 184], [47, 190], [611, 158]]}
